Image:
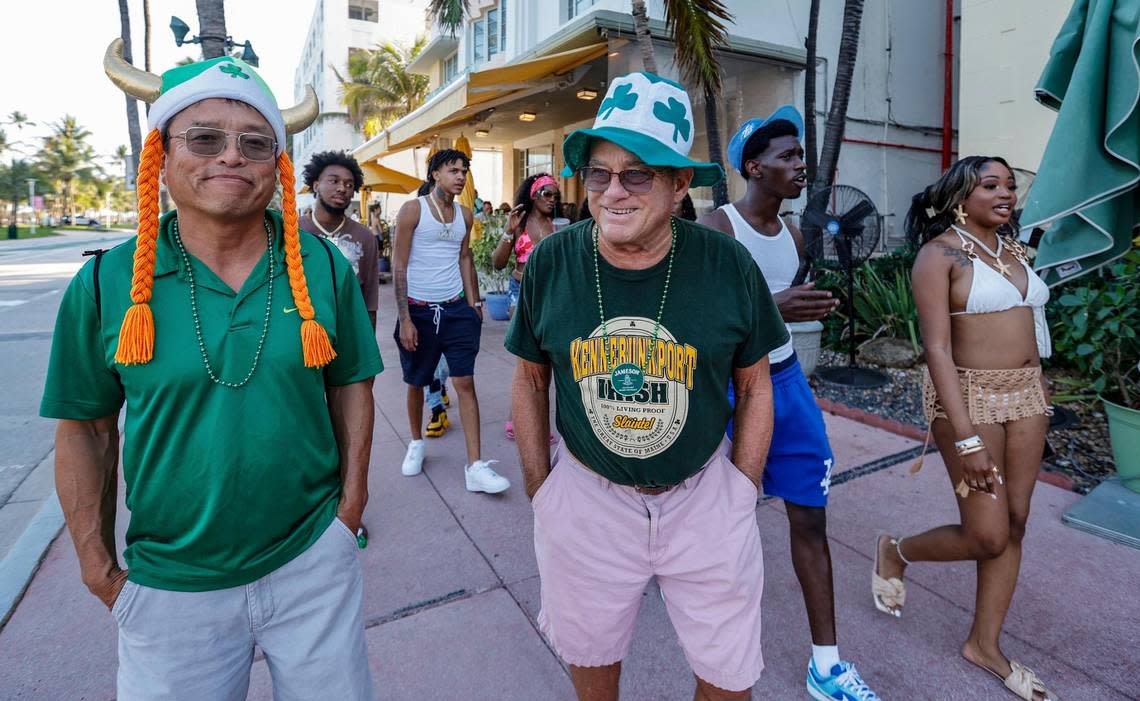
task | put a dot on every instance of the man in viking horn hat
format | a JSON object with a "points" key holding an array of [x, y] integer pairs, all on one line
{"points": [[242, 518]]}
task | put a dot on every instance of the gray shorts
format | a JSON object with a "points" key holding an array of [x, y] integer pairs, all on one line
{"points": [[307, 617]]}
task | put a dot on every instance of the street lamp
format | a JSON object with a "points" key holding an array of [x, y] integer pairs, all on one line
{"points": [[180, 29]]}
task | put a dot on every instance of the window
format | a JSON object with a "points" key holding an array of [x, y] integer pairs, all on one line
{"points": [[492, 33], [577, 7], [478, 45], [365, 10], [450, 67], [539, 160]]}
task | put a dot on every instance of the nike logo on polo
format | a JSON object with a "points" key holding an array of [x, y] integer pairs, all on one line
{"points": [[289, 309]]}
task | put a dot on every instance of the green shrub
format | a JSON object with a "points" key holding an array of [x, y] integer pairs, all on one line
{"points": [[483, 249], [884, 304], [1096, 332]]}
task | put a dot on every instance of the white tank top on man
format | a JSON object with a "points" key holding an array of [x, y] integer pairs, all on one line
{"points": [[777, 258], [433, 266]]}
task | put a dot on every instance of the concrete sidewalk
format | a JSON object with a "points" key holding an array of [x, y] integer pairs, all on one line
{"points": [[452, 588]]}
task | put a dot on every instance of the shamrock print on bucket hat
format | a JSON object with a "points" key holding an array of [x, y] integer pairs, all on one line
{"points": [[649, 116]]}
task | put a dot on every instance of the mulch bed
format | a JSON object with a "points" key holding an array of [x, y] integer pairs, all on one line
{"points": [[1081, 450]]}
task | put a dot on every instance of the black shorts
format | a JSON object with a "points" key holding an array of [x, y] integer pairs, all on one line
{"points": [[450, 329]]}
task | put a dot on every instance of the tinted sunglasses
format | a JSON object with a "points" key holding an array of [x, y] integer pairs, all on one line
{"points": [[207, 141], [636, 181]]}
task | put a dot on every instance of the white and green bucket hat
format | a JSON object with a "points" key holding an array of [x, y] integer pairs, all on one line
{"points": [[649, 116]]}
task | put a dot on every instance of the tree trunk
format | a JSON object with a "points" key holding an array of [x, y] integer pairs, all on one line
{"points": [[837, 116], [133, 129], [212, 27], [644, 39], [810, 151], [712, 131]]}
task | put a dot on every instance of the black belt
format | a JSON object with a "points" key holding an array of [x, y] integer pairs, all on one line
{"points": [[651, 491], [420, 303]]}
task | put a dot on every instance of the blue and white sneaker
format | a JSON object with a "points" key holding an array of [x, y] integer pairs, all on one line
{"points": [[844, 684]]}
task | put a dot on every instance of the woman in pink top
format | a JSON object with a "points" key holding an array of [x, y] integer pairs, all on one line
{"points": [[530, 221]]}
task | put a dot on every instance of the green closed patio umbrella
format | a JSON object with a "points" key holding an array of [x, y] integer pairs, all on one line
{"points": [[1086, 187]]}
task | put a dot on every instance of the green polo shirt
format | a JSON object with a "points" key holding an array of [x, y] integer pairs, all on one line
{"points": [[224, 485]]}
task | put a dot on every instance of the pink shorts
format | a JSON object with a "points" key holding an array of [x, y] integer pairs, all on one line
{"points": [[599, 543]]}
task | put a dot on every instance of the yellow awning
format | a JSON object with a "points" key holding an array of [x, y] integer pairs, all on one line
{"points": [[378, 178], [484, 89]]}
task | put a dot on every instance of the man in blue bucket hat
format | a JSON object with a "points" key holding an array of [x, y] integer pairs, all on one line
{"points": [[642, 319], [768, 154]]}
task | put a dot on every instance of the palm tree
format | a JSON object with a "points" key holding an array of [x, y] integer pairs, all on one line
{"points": [[379, 89], [14, 183], [811, 154], [212, 27], [449, 13], [4, 143], [837, 116], [134, 132], [67, 156], [701, 23]]}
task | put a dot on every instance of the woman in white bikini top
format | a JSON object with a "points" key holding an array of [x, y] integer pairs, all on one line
{"points": [[981, 310]]}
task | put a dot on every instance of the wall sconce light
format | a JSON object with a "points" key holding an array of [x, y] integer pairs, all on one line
{"points": [[527, 116], [587, 94]]}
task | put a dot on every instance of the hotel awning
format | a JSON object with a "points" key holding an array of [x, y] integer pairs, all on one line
{"points": [[479, 91], [378, 178]]}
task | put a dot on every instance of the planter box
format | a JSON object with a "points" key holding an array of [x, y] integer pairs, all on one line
{"points": [[1124, 434], [806, 337]]}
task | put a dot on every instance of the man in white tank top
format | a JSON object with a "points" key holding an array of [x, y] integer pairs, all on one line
{"points": [[440, 313], [767, 153]]}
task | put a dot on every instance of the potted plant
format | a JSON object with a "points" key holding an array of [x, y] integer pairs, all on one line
{"points": [[492, 283], [1103, 321]]}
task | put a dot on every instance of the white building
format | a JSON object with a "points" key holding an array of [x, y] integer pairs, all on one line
{"points": [[548, 62], [339, 27]]}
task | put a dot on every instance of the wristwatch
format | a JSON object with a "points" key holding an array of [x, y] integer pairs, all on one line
{"points": [[479, 304]]}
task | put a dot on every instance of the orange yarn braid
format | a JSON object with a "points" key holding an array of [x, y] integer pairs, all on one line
{"points": [[315, 342], [136, 337]]}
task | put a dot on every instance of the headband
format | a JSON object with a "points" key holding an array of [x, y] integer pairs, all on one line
{"points": [[540, 182]]}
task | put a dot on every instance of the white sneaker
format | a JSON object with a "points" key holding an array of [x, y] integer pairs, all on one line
{"points": [[481, 478], [413, 459]]}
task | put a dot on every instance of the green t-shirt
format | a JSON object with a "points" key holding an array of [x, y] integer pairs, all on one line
{"points": [[718, 316], [224, 485]]}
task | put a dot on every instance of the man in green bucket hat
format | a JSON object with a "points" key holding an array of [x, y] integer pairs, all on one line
{"points": [[642, 319]]}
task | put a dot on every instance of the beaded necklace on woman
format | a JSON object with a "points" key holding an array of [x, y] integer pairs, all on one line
{"points": [[272, 271], [627, 379]]}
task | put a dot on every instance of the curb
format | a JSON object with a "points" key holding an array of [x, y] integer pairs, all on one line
{"points": [[898, 428], [19, 566]]}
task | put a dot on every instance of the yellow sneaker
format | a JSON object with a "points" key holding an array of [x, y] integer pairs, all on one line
{"points": [[438, 423]]}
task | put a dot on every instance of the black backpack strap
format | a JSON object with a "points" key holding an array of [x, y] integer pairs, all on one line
{"points": [[332, 269], [98, 253]]}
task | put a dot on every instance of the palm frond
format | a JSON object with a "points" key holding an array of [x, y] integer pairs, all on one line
{"points": [[698, 29], [449, 13], [378, 87]]}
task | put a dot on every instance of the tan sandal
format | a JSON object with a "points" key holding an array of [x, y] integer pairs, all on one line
{"points": [[1024, 683], [889, 595]]}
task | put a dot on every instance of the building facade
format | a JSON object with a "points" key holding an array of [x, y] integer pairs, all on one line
{"points": [[519, 76], [337, 28]]}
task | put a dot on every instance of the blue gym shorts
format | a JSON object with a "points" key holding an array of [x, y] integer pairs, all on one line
{"points": [[450, 329], [800, 459]]}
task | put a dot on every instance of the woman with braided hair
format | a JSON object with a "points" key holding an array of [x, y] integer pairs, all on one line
{"points": [[981, 310], [243, 353]]}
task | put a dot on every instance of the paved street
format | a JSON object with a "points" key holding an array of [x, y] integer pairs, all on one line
{"points": [[452, 589], [33, 275]]}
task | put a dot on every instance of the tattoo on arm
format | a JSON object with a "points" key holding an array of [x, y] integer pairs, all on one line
{"points": [[960, 258], [400, 279]]}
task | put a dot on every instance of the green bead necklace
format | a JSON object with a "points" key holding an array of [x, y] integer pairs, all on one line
{"points": [[628, 379], [198, 321]]}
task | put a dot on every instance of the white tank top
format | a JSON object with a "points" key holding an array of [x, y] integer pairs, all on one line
{"points": [[777, 258], [433, 266]]}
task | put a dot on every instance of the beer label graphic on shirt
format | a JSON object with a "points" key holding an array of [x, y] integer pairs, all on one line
{"points": [[645, 422]]}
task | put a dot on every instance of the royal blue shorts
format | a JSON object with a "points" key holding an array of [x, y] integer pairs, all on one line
{"points": [[448, 329], [800, 459]]}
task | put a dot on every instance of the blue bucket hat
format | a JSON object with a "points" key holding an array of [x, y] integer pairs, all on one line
{"points": [[736, 146], [649, 116]]}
